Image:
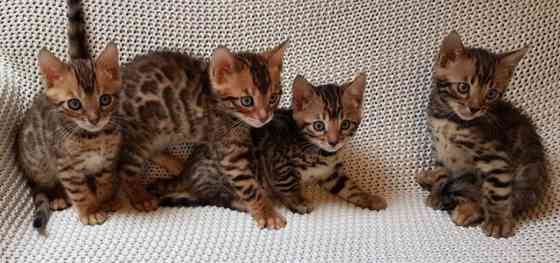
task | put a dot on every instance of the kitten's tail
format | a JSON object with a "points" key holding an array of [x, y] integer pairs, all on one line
{"points": [[529, 186], [77, 38], [42, 211]]}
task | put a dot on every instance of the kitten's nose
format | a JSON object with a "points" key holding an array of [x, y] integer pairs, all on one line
{"points": [[474, 110], [333, 143], [262, 116], [94, 120]]}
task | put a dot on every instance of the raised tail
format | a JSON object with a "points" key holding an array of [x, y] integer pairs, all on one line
{"points": [[42, 211], [77, 38]]}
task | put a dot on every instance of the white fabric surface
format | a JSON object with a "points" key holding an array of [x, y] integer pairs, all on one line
{"points": [[393, 41]]}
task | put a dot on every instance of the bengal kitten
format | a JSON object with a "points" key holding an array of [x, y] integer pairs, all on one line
{"points": [[171, 98], [298, 147], [69, 138], [490, 161]]}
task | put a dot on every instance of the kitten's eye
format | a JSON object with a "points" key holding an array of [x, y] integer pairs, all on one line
{"points": [[74, 104], [345, 125], [319, 126], [247, 101], [491, 94], [273, 99], [105, 100], [463, 88]]}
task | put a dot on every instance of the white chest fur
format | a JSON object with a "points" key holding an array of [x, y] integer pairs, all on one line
{"points": [[93, 162], [320, 171], [450, 153]]}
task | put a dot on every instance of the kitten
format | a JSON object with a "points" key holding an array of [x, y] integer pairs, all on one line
{"points": [[298, 147], [171, 98], [69, 140], [490, 161]]}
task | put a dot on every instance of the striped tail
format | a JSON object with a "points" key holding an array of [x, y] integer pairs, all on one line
{"points": [[77, 38], [42, 212]]}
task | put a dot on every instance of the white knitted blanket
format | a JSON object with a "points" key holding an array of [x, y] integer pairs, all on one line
{"points": [[393, 41]]}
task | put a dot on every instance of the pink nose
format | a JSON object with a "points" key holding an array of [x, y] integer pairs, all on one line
{"points": [[262, 116]]}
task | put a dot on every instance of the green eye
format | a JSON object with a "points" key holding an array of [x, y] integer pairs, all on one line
{"points": [[319, 126], [74, 104], [463, 88], [345, 125], [105, 100], [247, 101]]}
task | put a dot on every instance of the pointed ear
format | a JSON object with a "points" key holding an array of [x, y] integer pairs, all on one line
{"points": [[302, 91], [506, 63], [451, 48], [108, 62], [275, 56], [354, 90], [51, 67], [222, 63]]}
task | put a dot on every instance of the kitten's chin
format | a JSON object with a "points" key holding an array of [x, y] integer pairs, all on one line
{"points": [[255, 123], [464, 113]]}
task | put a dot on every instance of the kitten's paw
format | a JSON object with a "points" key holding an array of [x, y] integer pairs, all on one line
{"points": [[59, 204], [112, 205], [301, 208], [146, 204], [423, 179], [501, 228], [434, 201], [376, 202], [270, 220], [467, 214], [94, 218]]}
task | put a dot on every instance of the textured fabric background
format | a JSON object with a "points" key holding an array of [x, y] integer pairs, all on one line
{"points": [[393, 41]]}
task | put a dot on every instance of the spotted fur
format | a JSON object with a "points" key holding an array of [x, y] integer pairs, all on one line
{"points": [[70, 138], [171, 98], [285, 154], [490, 161]]}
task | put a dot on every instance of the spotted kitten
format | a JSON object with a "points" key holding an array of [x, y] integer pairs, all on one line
{"points": [[175, 98], [298, 147], [69, 139], [490, 161]]}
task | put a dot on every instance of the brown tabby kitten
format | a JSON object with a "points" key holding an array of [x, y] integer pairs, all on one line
{"points": [[490, 160], [297, 147], [69, 139], [175, 98]]}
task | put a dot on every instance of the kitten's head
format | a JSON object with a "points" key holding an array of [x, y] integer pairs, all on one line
{"points": [[328, 115], [85, 91], [248, 84], [472, 80]]}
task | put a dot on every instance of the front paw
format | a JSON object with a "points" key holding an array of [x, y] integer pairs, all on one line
{"points": [[467, 214], [434, 201], [144, 202], [269, 218], [372, 202], [59, 204], [93, 218], [498, 228], [301, 208]]}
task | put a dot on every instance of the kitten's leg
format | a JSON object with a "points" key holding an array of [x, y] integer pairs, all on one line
{"points": [[59, 200], [338, 184], [168, 161], [83, 199], [496, 195], [235, 163], [293, 198], [105, 190], [131, 171]]}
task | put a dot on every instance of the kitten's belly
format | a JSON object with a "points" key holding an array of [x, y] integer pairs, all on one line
{"points": [[93, 162], [454, 156]]}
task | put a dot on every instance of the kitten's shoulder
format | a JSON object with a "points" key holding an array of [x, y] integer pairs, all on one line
{"points": [[510, 115]]}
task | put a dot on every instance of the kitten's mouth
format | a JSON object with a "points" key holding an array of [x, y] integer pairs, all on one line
{"points": [[94, 128], [256, 123], [465, 114]]}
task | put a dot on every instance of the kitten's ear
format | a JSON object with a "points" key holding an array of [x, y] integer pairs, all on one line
{"points": [[506, 63], [222, 63], [451, 48], [52, 68], [275, 56], [302, 90], [354, 90], [108, 62]]}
